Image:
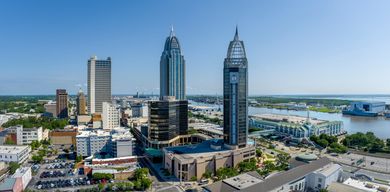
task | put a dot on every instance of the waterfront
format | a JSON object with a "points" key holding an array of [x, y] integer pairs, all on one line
{"points": [[380, 126]]}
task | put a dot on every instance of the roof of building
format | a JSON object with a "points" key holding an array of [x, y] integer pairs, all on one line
{"points": [[12, 149], [274, 181], [8, 184], [21, 171], [306, 157], [293, 119], [288, 176], [337, 187], [88, 133], [243, 181]]}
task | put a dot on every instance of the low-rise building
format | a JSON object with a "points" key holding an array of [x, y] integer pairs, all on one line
{"points": [[115, 143], [296, 126], [11, 185], [24, 173], [312, 176], [25, 136], [190, 161], [83, 119], [14, 153], [63, 136]]}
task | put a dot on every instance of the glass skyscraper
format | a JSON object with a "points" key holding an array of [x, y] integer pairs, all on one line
{"points": [[172, 69], [235, 93], [99, 84]]}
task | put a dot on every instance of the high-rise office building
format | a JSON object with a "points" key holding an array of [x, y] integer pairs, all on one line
{"points": [[110, 115], [172, 69], [81, 103], [62, 103], [168, 118], [99, 83], [235, 93]]}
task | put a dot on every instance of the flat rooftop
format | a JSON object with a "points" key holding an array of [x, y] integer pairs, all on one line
{"points": [[89, 133], [242, 181], [288, 119], [12, 149]]}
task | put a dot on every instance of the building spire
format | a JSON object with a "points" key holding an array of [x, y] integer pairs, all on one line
{"points": [[236, 35], [172, 32]]}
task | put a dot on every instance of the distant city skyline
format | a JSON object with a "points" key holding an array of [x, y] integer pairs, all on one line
{"points": [[294, 47]]}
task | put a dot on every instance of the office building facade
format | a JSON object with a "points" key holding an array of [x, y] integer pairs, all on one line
{"points": [[235, 93], [168, 118], [172, 69], [81, 103], [110, 115], [99, 84], [62, 103]]}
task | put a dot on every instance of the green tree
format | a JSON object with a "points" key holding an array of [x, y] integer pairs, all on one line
{"points": [[282, 161], [193, 178], [207, 174], [79, 158], [13, 166], [323, 143], [258, 153], [226, 172], [37, 158]]}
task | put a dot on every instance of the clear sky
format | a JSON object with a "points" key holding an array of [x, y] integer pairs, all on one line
{"points": [[293, 47]]}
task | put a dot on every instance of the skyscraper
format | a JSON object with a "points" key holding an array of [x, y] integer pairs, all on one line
{"points": [[235, 93], [168, 118], [81, 103], [99, 83], [62, 103], [172, 69]]}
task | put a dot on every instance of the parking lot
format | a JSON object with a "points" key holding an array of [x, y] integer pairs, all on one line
{"points": [[58, 174]]}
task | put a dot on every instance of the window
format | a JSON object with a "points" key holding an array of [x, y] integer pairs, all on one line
{"points": [[319, 186], [319, 180]]}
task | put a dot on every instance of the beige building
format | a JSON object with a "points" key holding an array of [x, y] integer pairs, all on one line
{"points": [[188, 161]]}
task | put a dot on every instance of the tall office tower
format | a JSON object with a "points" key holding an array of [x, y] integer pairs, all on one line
{"points": [[172, 69], [99, 83], [81, 103], [62, 103], [111, 116], [168, 118], [235, 93]]}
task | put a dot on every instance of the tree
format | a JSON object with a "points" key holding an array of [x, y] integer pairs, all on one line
{"points": [[258, 153], [323, 143], [193, 178], [79, 158], [35, 145], [282, 161], [101, 186], [247, 166], [37, 158], [99, 176], [207, 174], [226, 172], [13, 166]]}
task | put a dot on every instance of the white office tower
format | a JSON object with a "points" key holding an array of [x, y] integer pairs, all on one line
{"points": [[99, 83], [111, 116]]}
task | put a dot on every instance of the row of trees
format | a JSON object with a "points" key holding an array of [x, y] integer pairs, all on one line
{"points": [[330, 142], [45, 122], [367, 142]]}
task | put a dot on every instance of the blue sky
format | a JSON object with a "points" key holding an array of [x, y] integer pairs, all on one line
{"points": [[293, 47]]}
